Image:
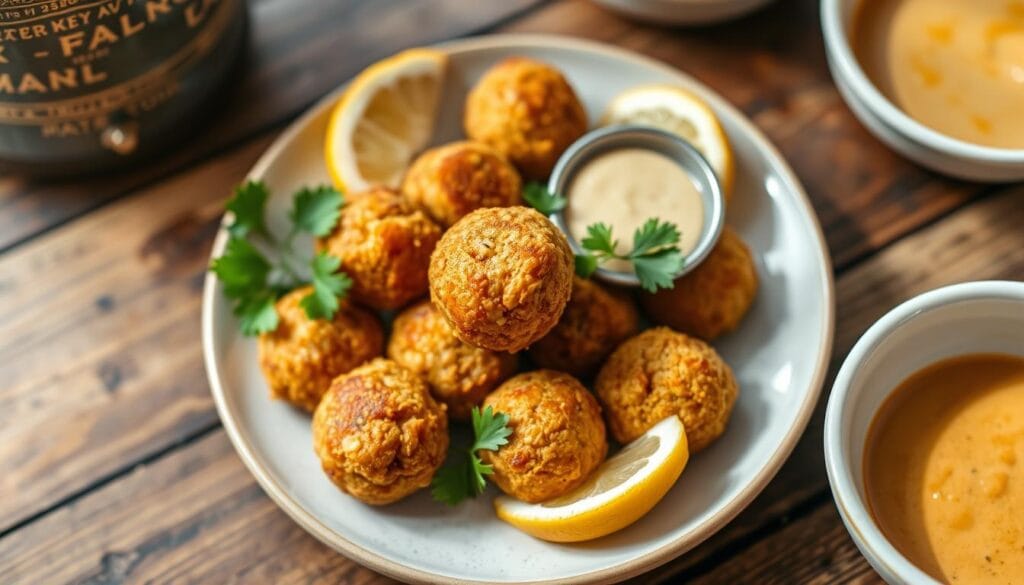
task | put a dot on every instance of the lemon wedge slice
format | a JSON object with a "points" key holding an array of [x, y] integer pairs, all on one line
{"points": [[384, 119], [679, 112], [620, 491]]}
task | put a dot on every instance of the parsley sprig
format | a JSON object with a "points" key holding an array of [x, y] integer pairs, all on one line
{"points": [[253, 282], [465, 478], [655, 255]]}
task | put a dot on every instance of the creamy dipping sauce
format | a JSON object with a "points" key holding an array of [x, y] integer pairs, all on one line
{"points": [[626, 187], [956, 66], [944, 469]]}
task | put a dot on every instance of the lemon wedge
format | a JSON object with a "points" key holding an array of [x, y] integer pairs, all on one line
{"points": [[620, 492], [384, 119], [679, 112]]}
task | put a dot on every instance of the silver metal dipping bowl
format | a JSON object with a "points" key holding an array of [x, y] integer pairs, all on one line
{"points": [[611, 138]]}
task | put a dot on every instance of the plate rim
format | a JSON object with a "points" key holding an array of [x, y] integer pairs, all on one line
{"points": [[623, 570]]}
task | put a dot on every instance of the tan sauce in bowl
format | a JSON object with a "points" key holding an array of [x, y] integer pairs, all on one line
{"points": [[956, 66], [626, 187], [944, 469]]}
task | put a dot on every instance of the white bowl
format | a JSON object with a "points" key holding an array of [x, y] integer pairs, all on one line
{"points": [[683, 12], [973, 317], [892, 126]]}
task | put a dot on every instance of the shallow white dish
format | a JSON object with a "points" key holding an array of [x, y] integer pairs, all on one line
{"points": [[684, 12], [974, 317], [895, 128], [780, 356]]}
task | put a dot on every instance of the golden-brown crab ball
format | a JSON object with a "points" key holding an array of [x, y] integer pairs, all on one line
{"points": [[557, 439], [384, 244], [594, 323], [301, 357], [501, 276], [714, 297], [458, 374], [379, 434], [660, 373], [527, 111], [450, 181]]}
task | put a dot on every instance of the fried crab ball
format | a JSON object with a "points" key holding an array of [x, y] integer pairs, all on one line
{"points": [[458, 374], [660, 373], [449, 181], [714, 297], [301, 357], [557, 438], [501, 276], [594, 323], [379, 434], [527, 111], [384, 244]]}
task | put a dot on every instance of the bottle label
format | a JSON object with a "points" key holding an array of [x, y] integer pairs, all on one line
{"points": [[71, 68]]}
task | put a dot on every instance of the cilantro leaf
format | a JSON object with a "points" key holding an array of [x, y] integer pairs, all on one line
{"points": [[490, 429], [257, 314], [653, 237], [466, 478], [658, 270], [542, 200], [241, 268], [328, 286], [452, 483], [586, 264], [315, 211], [599, 239], [247, 205]]}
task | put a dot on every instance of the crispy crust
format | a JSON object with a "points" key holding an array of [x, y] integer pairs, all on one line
{"points": [[712, 299], [379, 434], [502, 276], [660, 373], [301, 357], [384, 244], [558, 437], [450, 181], [527, 111], [594, 323], [459, 375]]}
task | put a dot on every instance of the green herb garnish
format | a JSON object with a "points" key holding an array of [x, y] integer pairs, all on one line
{"points": [[465, 478], [542, 200], [253, 282], [655, 255]]}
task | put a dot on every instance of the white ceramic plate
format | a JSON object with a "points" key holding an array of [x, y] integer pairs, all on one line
{"points": [[779, 354]]}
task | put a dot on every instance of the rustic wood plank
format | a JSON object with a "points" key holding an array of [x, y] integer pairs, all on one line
{"points": [[814, 550], [128, 523], [192, 517], [772, 66], [298, 52], [101, 354]]}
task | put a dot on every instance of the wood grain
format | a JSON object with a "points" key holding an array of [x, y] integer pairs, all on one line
{"points": [[771, 65], [298, 52], [186, 516], [101, 353]]}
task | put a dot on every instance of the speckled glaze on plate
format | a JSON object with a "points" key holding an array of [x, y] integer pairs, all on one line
{"points": [[780, 355]]}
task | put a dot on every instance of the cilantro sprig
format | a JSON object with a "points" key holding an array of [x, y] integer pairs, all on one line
{"points": [[542, 200], [655, 255], [466, 477], [254, 282]]}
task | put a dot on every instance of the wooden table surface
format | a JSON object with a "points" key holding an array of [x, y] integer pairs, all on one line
{"points": [[113, 464]]}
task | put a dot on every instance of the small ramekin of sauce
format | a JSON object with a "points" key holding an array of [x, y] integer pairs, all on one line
{"points": [[940, 81], [924, 438], [625, 175]]}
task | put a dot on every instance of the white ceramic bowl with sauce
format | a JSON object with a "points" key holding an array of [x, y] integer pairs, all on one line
{"points": [[973, 317], [894, 127], [683, 12]]}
